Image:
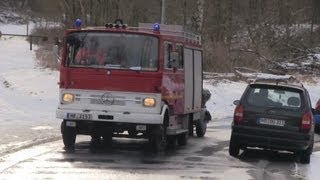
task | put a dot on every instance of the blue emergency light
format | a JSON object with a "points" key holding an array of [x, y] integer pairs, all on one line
{"points": [[156, 27], [78, 23]]}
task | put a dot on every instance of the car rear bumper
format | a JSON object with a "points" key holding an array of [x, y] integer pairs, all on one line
{"points": [[271, 138]]}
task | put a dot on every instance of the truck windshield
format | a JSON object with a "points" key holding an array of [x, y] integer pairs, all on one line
{"points": [[112, 51]]}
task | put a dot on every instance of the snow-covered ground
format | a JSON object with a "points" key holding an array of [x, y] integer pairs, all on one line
{"points": [[29, 97]]}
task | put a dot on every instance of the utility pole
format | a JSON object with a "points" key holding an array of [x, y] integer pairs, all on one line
{"points": [[163, 11]]}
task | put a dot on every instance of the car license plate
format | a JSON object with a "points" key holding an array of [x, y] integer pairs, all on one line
{"points": [[273, 122], [79, 116], [141, 127]]}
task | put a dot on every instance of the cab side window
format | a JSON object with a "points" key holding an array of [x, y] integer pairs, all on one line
{"points": [[167, 51]]}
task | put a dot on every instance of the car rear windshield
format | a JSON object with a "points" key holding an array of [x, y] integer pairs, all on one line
{"points": [[274, 96]]}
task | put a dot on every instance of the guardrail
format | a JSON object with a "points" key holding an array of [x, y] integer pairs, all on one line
{"points": [[31, 37]]}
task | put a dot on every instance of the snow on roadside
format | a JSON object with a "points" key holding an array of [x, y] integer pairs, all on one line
{"points": [[29, 95], [223, 94]]}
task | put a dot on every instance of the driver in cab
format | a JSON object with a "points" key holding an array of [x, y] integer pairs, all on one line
{"points": [[90, 54]]}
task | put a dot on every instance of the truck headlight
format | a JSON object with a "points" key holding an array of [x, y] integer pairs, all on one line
{"points": [[67, 98], [149, 102]]}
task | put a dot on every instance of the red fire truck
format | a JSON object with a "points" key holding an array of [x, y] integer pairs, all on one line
{"points": [[137, 82]]}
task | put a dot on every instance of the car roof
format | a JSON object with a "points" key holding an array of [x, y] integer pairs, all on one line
{"points": [[279, 82]]}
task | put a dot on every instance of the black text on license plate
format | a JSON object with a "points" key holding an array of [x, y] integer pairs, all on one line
{"points": [[79, 116], [273, 122]]}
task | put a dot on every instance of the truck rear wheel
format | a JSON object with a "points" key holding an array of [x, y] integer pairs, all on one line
{"points": [[68, 136], [190, 125], [201, 127]]}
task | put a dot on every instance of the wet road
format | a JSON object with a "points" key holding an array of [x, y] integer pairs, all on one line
{"points": [[202, 158]]}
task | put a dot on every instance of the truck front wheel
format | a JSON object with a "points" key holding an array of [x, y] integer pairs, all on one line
{"points": [[158, 138], [68, 136]]}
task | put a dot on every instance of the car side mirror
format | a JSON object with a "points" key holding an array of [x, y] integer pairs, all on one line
{"points": [[236, 102]]}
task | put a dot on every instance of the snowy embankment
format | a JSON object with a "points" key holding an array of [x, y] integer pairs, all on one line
{"points": [[29, 94]]}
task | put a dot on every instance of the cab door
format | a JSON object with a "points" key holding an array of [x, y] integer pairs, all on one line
{"points": [[173, 80]]}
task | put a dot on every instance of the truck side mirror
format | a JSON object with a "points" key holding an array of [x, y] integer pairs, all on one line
{"points": [[173, 62], [56, 52]]}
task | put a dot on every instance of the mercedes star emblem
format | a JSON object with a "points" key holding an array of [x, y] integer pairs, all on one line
{"points": [[107, 99]]}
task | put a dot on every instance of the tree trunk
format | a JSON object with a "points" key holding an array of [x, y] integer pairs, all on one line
{"points": [[229, 28], [199, 18], [184, 13], [313, 18]]}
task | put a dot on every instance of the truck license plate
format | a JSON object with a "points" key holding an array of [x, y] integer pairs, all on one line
{"points": [[79, 116], [273, 122]]}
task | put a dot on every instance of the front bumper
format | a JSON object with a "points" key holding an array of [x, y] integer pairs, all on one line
{"points": [[271, 138], [119, 117]]}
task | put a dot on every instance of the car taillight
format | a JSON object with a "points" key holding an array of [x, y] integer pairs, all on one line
{"points": [[238, 114], [306, 121]]}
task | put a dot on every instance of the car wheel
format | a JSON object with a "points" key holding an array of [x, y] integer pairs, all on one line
{"points": [[182, 139], [305, 157], [234, 147], [68, 136], [201, 127]]}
